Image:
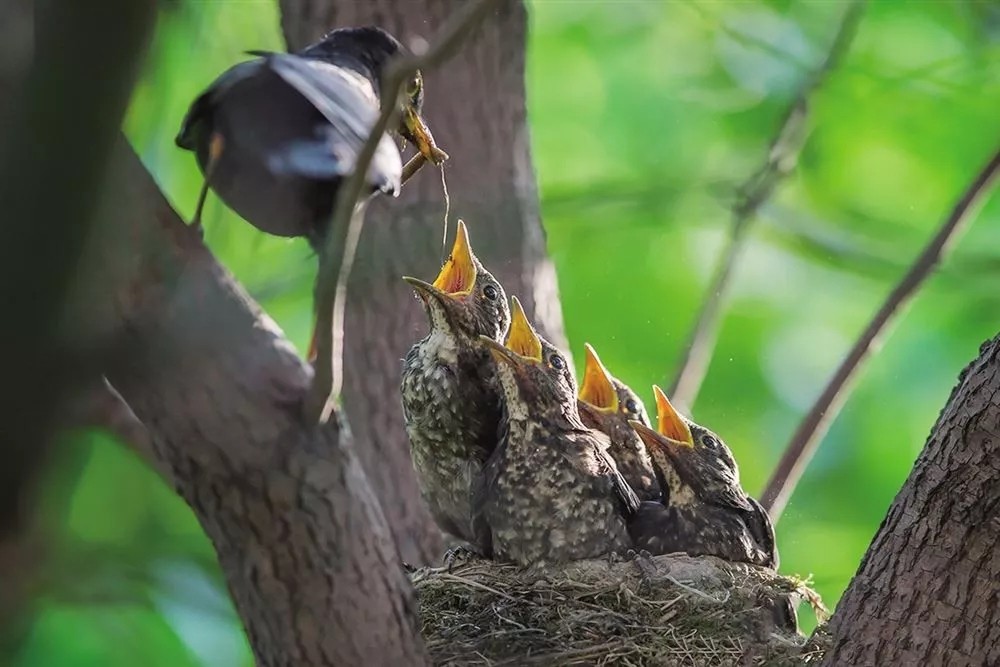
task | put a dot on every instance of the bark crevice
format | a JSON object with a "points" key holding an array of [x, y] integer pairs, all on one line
{"points": [[925, 592]]}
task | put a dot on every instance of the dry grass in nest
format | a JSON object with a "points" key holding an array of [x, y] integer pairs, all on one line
{"points": [[665, 610]]}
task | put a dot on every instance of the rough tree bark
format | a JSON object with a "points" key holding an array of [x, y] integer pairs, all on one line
{"points": [[475, 105], [926, 592], [301, 538]]}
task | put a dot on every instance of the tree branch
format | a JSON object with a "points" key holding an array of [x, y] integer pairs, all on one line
{"points": [[816, 422], [926, 591], [335, 267], [299, 533], [781, 161]]}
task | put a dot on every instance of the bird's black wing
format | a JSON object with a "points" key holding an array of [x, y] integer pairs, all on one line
{"points": [[348, 103], [186, 137]]}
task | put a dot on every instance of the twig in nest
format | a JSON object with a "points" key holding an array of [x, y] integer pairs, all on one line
{"points": [[411, 167], [804, 443], [447, 576], [781, 160], [331, 280], [694, 591]]}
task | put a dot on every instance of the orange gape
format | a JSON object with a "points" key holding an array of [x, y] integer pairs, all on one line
{"points": [[458, 274], [669, 421], [522, 339], [454, 282]]}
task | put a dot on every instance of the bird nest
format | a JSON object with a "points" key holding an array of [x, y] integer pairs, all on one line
{"points": [[663, 610]]}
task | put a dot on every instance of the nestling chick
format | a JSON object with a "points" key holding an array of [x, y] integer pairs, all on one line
{"points": [[708, 512], [450, 397], [607, 404], [553, 493]]}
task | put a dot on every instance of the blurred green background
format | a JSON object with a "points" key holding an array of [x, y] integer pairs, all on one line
{"points": [[645, 118]]}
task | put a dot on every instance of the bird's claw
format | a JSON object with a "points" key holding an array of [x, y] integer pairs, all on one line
{"points": [[457, 555], [647, 568]]}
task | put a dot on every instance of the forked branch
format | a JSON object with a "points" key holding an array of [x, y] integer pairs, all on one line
{"points": [[781, 160], [815, 424]]}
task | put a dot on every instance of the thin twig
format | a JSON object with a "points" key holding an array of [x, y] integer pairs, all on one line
{"points": [[412, 167], [815, 424], [694, 591], [475, 584], [781, 160], [348, 216]]}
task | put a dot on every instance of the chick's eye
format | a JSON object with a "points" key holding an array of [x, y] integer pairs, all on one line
{"points": [[709, 441], [631, 406], [557, 362], [490, 292]]}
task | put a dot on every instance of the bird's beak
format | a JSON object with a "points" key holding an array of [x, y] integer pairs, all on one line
{"points": [[669, 422], [420, 136], [500, 353], [427, 291], [665, 452], [522, 339], [458, 275], [676, 452], [598, 390]]}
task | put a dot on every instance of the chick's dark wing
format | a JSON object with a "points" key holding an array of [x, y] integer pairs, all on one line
{"points": [[729, 496], [762, 531], [628, 500]]}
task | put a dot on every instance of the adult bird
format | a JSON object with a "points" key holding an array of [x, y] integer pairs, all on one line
{"points": [[608, 405], [708, 512], [450, 399], [276, 136], [553, 493]]}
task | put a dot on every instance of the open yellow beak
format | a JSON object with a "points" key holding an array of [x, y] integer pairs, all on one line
{"points": [[522, 339], [458, 275], [669, 422], [422, 137], [597, 390]]}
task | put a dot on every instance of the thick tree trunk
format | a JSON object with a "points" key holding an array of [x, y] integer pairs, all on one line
{"points": [[475, 105], [306, 551], [927, 591]]}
